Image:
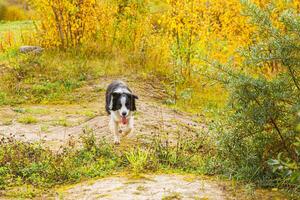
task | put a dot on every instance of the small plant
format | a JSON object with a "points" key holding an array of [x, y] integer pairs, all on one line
{"points": [[137, 159], [19, 110], [89, 113], [7, 121], [3, 98], [62, 122], [44, 128], [141, 188], [172, 196], [27, 119]]}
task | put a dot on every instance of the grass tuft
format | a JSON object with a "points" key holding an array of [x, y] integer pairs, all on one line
{"points": [[27, 119]]}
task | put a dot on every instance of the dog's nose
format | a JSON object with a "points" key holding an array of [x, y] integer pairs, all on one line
{"points": [[124, 114]]}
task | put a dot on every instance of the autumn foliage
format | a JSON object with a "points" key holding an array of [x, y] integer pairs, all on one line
{"points": [[186, 29], [66, 23]]}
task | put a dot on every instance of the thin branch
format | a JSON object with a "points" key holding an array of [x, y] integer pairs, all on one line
{"points": [[273, 122], [293, 77]]}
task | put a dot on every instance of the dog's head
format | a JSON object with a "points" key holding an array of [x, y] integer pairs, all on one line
{"points": [[124, 104]]}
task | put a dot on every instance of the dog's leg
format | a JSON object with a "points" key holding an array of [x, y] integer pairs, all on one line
{"points": [[114, 128], [129, 128]]}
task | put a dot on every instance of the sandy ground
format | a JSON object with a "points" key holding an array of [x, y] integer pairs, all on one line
{"points": [[164, 187], [148, 187], [58, 125]]}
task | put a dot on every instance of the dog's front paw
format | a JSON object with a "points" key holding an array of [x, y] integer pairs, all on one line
{"points": [[116, 141]]}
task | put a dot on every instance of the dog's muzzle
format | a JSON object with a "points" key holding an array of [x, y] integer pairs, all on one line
{"points": [[124, 120]]}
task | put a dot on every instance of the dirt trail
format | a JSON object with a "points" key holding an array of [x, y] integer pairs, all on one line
{"points": [[148, 187], [164, 187], [152, 118]]}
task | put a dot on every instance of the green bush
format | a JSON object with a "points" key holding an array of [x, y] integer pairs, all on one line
{"points": [[262, 112]]}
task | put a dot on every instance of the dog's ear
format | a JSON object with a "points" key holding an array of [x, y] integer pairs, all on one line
{"points": [[134, 96], [114, 96]]}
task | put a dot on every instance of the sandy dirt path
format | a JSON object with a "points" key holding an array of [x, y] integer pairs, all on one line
{"points": [[151, 118], [146, 188], [164, 187]]}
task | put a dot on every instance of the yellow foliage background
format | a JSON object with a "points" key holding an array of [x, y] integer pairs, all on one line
{"points": [[173, 38], [66, 23]]}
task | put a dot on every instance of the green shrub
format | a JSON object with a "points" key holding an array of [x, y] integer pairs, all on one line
{"points": [[261, 113]]}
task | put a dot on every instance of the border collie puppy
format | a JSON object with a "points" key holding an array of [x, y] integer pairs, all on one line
{"points": [[120, 105]]}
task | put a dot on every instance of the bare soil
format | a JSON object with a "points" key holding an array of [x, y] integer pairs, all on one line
{"points": [[60, 124], [165, 187], [148, 187]]}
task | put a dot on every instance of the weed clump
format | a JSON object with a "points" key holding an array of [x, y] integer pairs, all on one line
{"points": [[30, 163], [28, 119]]}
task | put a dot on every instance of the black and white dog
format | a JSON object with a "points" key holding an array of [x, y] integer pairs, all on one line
{"points": [[120, 104]]}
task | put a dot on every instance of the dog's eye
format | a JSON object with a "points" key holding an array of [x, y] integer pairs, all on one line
{"points": [[127, 104]]}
